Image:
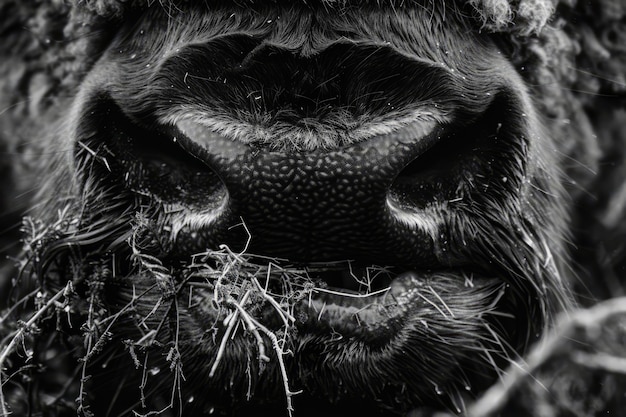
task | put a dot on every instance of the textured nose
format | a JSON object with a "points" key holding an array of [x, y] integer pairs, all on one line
{"points": [[313, 204]]}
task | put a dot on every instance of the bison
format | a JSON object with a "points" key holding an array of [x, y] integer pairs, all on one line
{"points": [[314, 207]]}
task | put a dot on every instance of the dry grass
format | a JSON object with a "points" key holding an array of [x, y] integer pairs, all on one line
{"points": [[238, 283]]}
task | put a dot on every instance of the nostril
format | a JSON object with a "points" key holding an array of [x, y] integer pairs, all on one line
{"points": [[434, 173], [460, 162], [147, 159]]}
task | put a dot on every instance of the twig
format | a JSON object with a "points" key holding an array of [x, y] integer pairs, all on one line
{"points": [[287, 318], [496, 396], [18, 335], [251, 327], [90, 329], [230, 321], [281, 363]]}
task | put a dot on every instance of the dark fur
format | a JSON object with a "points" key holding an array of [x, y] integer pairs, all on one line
{"points": [[129, 279]]}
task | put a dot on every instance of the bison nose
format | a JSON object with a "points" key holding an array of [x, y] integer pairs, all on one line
{"points": [[315, 205], [377, 200], [404, 142]]}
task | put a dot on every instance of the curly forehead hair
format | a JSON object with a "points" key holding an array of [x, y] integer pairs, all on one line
{"points": [[525, 16], [541, 43]]}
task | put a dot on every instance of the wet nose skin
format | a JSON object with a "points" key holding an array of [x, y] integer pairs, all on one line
{"points": [[313, 206]]}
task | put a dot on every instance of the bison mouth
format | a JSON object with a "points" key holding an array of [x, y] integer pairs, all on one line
{"points": [[371, 305], [392, 340]]}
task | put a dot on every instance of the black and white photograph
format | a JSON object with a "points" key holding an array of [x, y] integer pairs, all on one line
{"points": [[312, 208]]}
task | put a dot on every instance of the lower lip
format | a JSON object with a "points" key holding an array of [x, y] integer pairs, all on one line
{"points": [[380, 317]]}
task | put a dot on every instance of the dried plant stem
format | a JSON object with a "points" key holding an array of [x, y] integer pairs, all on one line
{"points": [[287, 318], [254, 326], [82, 409], [281, 362], [17, 337], [231, 320], [251, 327], [496, 396]]}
